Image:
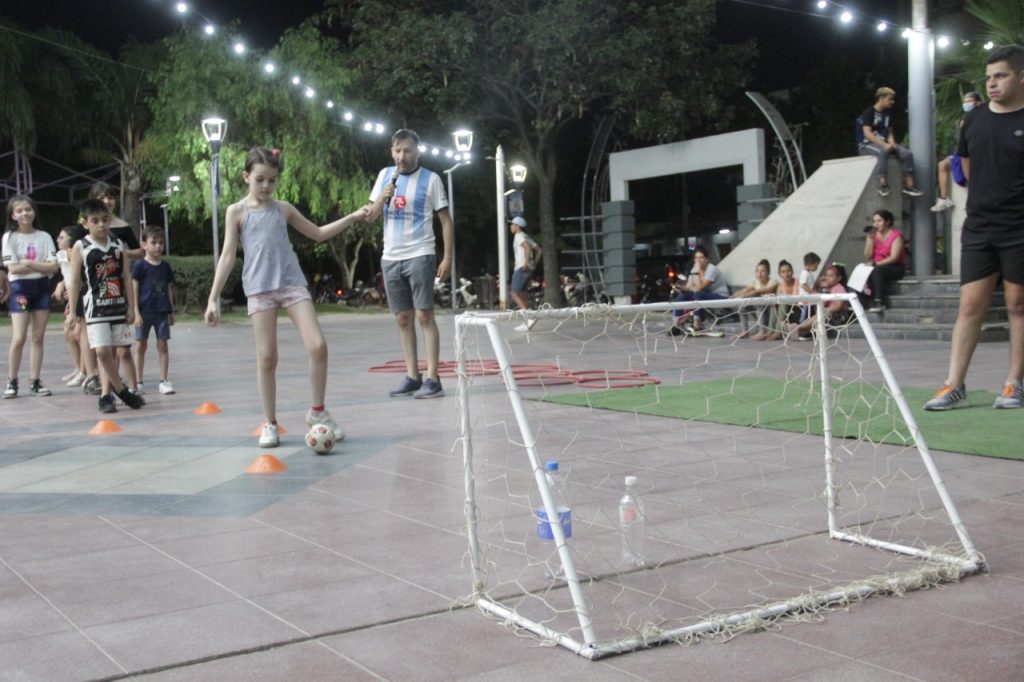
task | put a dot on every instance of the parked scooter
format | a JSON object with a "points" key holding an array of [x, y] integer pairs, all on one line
{"points": [[465, 293]]}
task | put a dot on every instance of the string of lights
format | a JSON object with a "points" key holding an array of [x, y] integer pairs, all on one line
{"points": [[346, 116], [848, 15]]}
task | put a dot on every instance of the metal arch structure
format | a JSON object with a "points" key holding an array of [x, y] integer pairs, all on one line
{"points": [[591, 253], [790, 147]]}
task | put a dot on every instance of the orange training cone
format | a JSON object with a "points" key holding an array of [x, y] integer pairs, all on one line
{"points": [[258, 431], [104, 426], [266, 464], [208, 408]]}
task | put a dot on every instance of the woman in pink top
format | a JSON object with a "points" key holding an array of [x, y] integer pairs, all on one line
{"points": [[884, 248]]}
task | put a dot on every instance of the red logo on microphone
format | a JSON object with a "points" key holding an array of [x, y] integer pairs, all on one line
{"points": [[399, 202]]}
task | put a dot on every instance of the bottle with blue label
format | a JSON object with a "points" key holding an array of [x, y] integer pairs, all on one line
{"points": [[558, 484]]}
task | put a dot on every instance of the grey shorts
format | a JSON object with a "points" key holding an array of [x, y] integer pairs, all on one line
{"points": [[410, 283]]}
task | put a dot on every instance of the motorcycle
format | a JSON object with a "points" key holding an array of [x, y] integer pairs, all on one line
{"points": [[574, 290], [324, 290], [442, 293], [465, 292], [354, 296]]}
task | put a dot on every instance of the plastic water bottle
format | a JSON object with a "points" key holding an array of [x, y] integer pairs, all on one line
{"points": [[557, 481], [631, 524]]}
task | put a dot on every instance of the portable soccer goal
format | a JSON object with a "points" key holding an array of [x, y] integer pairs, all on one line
{"points": [[779, 479]]}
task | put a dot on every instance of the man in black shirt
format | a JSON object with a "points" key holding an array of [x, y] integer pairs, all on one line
{"points": [[877, 139], [992, 242]]}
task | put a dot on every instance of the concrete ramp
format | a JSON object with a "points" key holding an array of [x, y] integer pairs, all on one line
{"points": [[826, 214]]}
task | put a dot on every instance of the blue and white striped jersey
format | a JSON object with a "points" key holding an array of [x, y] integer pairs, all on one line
{"points": [[409, 218]]}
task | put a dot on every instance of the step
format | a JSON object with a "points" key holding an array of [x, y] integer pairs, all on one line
{"points": [[894, 315], [950, 301], [990, 333]]}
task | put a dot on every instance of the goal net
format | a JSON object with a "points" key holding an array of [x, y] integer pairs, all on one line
{"points": [[776, 478]]}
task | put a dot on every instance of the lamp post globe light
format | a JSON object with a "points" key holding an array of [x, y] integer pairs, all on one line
{"points": [[518, 173], [215, 130], [463, 144]]}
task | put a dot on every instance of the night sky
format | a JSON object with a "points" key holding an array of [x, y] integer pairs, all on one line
{"points": [[792, 39]]}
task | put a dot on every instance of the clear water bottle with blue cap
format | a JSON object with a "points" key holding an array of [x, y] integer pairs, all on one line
{"points": [[558, 483]]}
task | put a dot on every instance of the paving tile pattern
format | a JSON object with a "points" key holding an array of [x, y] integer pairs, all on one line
{"points": [[150, 553]]}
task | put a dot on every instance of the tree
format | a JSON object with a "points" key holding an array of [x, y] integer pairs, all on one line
{"points": [[323, 163], [84, 103], [998, 21], [530, 68]]}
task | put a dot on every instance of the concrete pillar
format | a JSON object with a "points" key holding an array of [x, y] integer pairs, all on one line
{"points": [[619, 236]]}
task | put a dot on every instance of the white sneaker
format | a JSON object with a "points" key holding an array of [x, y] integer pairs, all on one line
{"points": [[269, 437], [165, 388], [76, 380], [942, 205], [324, 417], [69, 376], [140, 389]]}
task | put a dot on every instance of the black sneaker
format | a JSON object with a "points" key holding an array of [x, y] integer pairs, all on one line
{"points": [[132, 400], [107, 405], [912, 191], [91, 386], [12, 389], [37, 388], [883, 190]]}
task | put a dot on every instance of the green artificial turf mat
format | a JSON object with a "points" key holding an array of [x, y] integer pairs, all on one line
{"points": [[860, 410]]}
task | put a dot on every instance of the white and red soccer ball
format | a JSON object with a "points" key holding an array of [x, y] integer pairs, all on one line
{"points": [[320, 438]]}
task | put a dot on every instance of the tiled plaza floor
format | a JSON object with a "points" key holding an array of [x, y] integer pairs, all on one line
{"points": [[150, 553]]}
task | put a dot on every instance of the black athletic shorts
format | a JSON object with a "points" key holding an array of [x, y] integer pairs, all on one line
{"points": [[984, 253]]}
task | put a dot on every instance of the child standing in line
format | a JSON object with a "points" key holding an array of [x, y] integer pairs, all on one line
{"points": [[30, 258], [77, 375], [152, 278], [272, 279], [99, 266], [91, 384], [122, 231], [808, 278]]}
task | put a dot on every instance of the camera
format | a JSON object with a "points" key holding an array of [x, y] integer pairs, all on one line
{"points": [[868, 228]]}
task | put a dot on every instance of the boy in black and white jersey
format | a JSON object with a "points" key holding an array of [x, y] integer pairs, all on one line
{"points": [[99, 267]]}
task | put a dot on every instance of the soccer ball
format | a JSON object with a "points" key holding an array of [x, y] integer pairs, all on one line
{"points": [[320, 439]]}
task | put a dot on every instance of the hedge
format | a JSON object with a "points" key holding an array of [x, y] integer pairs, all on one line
{"points": [[193, 277]]}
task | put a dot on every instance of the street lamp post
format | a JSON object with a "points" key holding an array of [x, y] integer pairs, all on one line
{"points": [[518, 172], [172, 186], [499, 178], [169, 187], [463, 143], [214, 130]]}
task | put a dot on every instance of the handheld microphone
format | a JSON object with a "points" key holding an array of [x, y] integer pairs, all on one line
{"points": [[394, 183]]}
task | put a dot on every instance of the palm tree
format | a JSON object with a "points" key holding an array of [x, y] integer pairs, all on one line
{"points": [[997, 21]]}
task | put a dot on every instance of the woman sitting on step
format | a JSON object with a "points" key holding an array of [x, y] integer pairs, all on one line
{"points": [[885, 249]]}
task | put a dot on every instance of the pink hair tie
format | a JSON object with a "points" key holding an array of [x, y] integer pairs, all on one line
{"points": [[275, 152]]}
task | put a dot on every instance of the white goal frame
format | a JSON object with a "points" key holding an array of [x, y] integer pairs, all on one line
{"points": [[952, 566]]}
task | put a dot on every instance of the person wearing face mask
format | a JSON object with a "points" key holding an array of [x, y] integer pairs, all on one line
{"points": [[950, 167]]}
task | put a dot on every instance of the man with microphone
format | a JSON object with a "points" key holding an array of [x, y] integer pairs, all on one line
{"points": [[410, 196]]}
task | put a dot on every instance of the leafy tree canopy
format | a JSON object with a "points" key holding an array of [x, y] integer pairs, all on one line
{"points": [[527, 69]]}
